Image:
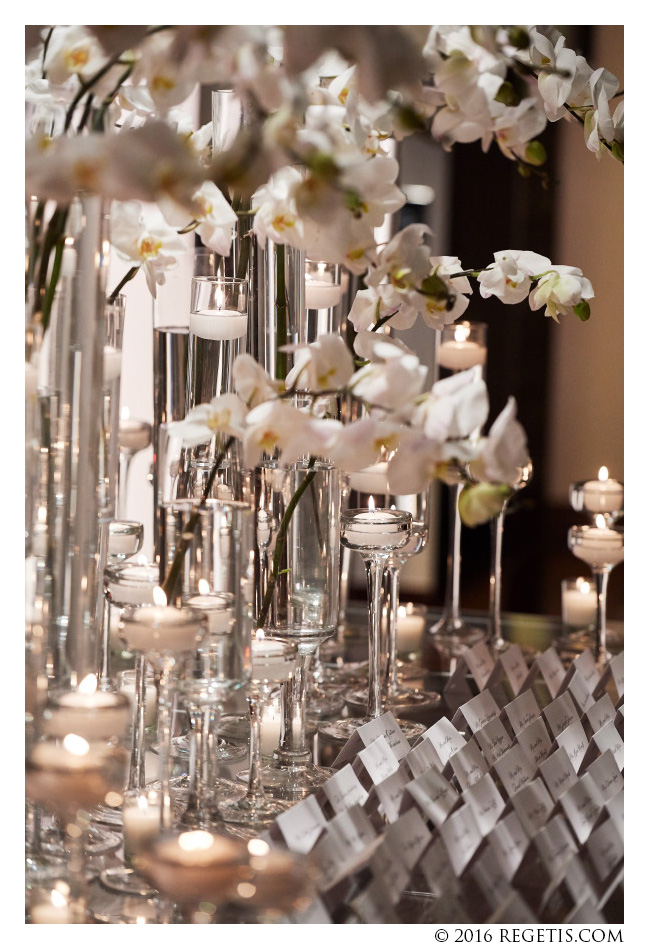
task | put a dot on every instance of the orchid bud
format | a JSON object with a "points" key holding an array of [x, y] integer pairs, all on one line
{"points": [[482, 502]]}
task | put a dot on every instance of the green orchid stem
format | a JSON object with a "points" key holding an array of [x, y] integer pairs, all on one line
{"points": [[128, 276], [187, 534], [36, 228], [53, 239], [280, 543], [51, 289], [281, 308]]}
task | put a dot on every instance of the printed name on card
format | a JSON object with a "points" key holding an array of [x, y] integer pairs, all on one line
{"points": [[574, 740], [582, 804], [480, 710], [302, 825], [461, 836], [605, 849], [551, 668], [561, 713], [514, 666], [486, 802], [434, 795], [608, 738], [514, 769], [585, 664], [601, 712], [533, 805], [409, 837], [510, 842], [423, 757], [555, 845], [378, 760], [493, 740], [386, 726], [558, 773], [390, 793], [468, 764], [480, 662], [445, 738], [606, 775], [343, 789], [388, 866], [535, 741], [523, 710]]}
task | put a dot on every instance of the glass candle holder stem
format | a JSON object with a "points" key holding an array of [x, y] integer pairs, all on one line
{"points": [[391, 671], [255, 795], [293, 747], [494, 635], [601, 585], [454, 559], [204, 721], [374, 567], [165, 710], [136, 777]]}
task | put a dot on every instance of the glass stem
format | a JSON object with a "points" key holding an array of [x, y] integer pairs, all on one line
{"points": [[374, 569], [203, 722], [345, 560], [494, 637], [255, 794], [601, 585], [391, 672], [136, 777], [293, 748], [165, 706], [125, 459], [453, 558]]}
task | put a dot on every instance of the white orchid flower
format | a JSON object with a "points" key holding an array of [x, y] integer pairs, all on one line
{"points": [[225, 414], [217, 219], [504, 450], [358, 444], [167, 81], [72, 51], [414, 465], [278, 425], [276, 215], [455, 408], [370, 344], [508, 278], [392, 384], [142, 237], [560, 291], [325, 364], [252, 382]]}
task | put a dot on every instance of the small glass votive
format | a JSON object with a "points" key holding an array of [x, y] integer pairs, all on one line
{"points": [[602, 495], [462, 346], [322, 285], [219, 308], [578, 603], [375, 530], [53, 903], [126, 685], [411, 621], [124, 539], [140, 821]]}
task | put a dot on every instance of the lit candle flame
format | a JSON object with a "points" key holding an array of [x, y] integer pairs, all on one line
{"points": [[371, 506], [219, 298], [584, 586], [58, 899], [88, 685], [125, 413], [203, 586], [600, 521], [159, 596], [603, 474], [258, 848], [141, 559], [259, 635], [462, 334], [76, 745], [195, 840]]}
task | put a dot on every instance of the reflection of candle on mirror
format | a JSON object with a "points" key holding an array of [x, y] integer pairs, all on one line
{"points": [[579, 603], [461, 352], [604, 495]]}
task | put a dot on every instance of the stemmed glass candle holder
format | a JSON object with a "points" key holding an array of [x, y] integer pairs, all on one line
{"points": [[461, 346], [603, 496], [125, 539], [376, 534], [134, 435], [578, 611], [494, 636], [273, 662], [602, 548]]}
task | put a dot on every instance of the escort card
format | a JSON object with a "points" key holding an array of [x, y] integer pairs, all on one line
{"points": [[386, 865], [390, 794], [605, 849], [331, 859], [577, 881], [555, 845], [489, 876], [560, 713], [523, 710], [494, 741], [480, 710], [514, 666], [601, 712], [608, 737], [379, 760], [533, 805], [585, 664], [373, 904], [615, 808], [302, 825], [409, 837], [433, 794], [582, 805], [510, 842], [457, 689], [616, 668], [480, 662], [551, 669], [438, 870], [461, 836], [486, 802], [468, 764], [344, 789], [558, 773], [514, 769], [574, 740], [385, 726], [535, 741], [423, 757], [606, 775], [580, 691], [445, 738], [352, 828]]}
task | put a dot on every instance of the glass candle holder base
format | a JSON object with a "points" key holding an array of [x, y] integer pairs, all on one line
{"points": [[249, 812], [112, 816], [97, 842], [40, 868], [404, 700], [344, 729], [455, 636], [128, 909], [126, 880], [409, 671], [323, 702], [290, 783], [234, 728]]}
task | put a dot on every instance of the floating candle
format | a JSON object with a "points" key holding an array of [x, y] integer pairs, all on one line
{"points": [[604, 496], [134, 435], [159, 629], [112, 363], [271, 661], [578, 602], [93, 716], [124, 538], [218, 609], [375, 529], [132, 584], [598, 546], [321, 294], [218, 324], [457, 354]]}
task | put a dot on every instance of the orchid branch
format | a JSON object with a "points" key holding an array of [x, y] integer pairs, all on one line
{"points": [[128, 276]]}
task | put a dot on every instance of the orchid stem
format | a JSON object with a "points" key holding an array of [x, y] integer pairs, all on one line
{"points": [[128, 276]]}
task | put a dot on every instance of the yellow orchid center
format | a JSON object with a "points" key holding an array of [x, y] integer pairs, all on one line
{"points": [[281, 222], [85, 175], [77, 58], [162, 83], [219, 420], [324, 377], [149, 248], [206, 207], [268, 440]]}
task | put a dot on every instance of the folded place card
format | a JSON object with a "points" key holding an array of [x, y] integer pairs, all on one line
{"points": [[353, 829], [433, 795], [578, 882], [480, 662], [379, 760], [608, 737], [535, 741], [486, 802], [615, 808], [409, 837], [558, 773], [331, 859], [457, 689], [555, 845], [533, 805], [343, 789], [385, 726], [438, 871], [445, 738], [480, 710], [514, 769], [560, 713], [489, 876], [606, 849], [461, 836], [601, 712], [606, 775], [523, 710], [585, 913], [468, 764], [580, 691], [585, 664], [551, 668], [616, 668], [574, 740], [373, 905], [423, 757], [582, 805], [510, 842], [302, 825], [390, 793], [514, 666], [494, 741], [389, 867]]}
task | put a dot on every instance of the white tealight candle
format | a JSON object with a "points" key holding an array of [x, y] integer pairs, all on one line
{"points": [[374, 530], [579, 604], [49, 913], [134, 435], [370, 480], [135, 585], [124, 538], [127, 688], [162, 629], [600, 547], [140, 820], [217, 609], [321, 294], [604, 495], [271, 662], [112, 363], [458, 354], [218, 324], [94, 716], [271, 727], [410, 629]]}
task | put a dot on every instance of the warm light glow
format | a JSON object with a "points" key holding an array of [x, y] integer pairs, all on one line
{"points": [[42, 515], [402, 611], [76, 745], [462, 333], [195, 840], [142, 803], [159, 596], [219, 298], [259, 635], [583, 585], [603, 474], [58, 899], [600, 521], [203, 586], [88, 685], [141, 560], [113, 799], [125, 413], [371, 506], [258, 848], [246, 890]]}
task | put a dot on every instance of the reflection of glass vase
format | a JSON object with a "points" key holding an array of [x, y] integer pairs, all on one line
{"points": [[296, 589]]}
